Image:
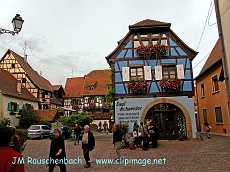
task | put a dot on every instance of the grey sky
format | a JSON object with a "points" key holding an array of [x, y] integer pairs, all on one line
{"points": [[62, 35]]}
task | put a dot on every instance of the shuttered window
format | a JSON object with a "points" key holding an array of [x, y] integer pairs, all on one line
{"points": [[218, 113]]}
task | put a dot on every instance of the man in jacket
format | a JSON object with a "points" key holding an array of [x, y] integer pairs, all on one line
{"points": [[88, 144], [145, 135], [77, 132], [117, 138]]}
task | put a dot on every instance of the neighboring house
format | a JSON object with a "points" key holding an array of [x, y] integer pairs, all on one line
{"points": [[88, 94], [46, 115], [57, 98], [153, 79], [73, 95], [97, 85], [211, 94], [13, 96], [30, 79]]}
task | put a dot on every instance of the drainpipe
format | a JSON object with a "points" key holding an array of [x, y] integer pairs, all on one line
{"points": [[223, 52], [198, 110]]}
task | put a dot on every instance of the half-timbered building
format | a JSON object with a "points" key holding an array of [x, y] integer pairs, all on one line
{"points": [[153, 79], [30, 79]]}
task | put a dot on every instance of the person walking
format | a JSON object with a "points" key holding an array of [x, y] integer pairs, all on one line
{"points": [[57, 151], [154, 135], [117, 139], [77, 132], [9, 158], [145, 135], [207, 128], [88, 144], [135, 133]]}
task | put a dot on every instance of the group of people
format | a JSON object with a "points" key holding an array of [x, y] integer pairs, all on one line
{"points": [[149, 133]]}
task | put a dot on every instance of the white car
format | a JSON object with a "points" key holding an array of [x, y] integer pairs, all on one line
{"points": [[38, 131]]}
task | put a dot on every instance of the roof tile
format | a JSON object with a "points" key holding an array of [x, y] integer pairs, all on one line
{"points": [[8, 86], [74, 87]]}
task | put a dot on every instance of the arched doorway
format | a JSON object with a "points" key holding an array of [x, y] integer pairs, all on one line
{"points": [[168, 118]]}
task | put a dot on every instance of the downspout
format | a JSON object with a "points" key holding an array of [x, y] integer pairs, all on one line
{"points": [[198, 111], [223, 52]]}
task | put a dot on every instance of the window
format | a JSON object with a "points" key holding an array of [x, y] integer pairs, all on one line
{"points": [[73, 102], [169, 72], [136, 73], [215, 84], [218, 113], [202, 90], [12, 65], [23, 80], [205, 117], [43, 94], [12, 106], [91, 87]]}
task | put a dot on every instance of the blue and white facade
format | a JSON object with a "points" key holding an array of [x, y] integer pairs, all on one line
{"points": [[170, 110]]}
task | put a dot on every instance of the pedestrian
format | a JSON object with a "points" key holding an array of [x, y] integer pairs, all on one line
{"points": [[88, 144], [105, 126], [57, 151], [135, 133], [117, 139], [9, 158], [77, 132], [154, 135], [16, 141], [207, 128], [145, 136]]}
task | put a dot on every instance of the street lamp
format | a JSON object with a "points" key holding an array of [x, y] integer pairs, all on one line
{"points": [[17, 25]]}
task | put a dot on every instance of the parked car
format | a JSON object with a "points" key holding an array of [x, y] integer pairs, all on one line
{"points": [[38, 131], [65, 132]]}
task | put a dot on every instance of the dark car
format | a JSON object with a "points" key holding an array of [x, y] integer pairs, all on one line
{"points": [[65, 132]]}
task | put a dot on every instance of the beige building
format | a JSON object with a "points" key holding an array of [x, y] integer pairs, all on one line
{"points": [[13, 97]]}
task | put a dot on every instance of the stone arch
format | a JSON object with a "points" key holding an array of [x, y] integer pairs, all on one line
{"points": [[179, 105]]}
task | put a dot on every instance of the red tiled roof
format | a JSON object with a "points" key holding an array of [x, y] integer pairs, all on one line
{"points": [[149, 23], [56, 87], [8, 86], [35, 77], [74, 87], [213, 58], [101, 79], [45, 115]]}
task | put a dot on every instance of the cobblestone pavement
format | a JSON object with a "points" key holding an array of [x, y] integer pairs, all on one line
{"points": [[210, 155]]}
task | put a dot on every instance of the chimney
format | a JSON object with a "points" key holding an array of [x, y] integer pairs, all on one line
{"points": [[25, 58], [19, 87]]}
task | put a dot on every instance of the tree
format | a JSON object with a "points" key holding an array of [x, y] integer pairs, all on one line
{"points": [[80, 119], [27, 117]]}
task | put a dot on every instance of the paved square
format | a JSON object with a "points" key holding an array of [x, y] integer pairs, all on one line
{"points": [[210, 155]]}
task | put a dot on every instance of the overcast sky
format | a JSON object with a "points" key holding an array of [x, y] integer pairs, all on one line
{"points": [[66, 35]]}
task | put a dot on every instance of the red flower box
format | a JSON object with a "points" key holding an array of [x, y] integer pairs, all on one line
{"points": [[137, 86], [171, 84], [149, 50]]}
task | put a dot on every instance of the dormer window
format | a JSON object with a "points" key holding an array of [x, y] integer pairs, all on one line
{"points": [[91, 87]]}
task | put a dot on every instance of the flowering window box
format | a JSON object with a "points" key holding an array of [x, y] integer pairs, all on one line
{"points": [[150, 50], [171, 85], [92, 105], [137, 86]]}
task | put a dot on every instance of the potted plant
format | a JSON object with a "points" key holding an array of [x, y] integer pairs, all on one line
{"points": [[138, 86], [171, 85], [150, 50]]}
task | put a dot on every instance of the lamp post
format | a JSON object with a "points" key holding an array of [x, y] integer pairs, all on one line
{"points": [[17, 25]]}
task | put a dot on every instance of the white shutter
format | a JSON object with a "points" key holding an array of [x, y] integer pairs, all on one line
{"points": [[147, 72], [125, 73], [180, 71], [158, 72]]}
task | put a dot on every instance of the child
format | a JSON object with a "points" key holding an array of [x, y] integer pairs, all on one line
{"points": [[207, 128]]}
